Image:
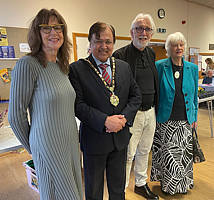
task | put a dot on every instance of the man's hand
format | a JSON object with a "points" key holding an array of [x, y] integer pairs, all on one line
{"points": [[115, 123]]}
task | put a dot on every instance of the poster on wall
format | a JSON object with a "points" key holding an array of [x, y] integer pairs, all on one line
{"points": [[7, 52], [24, 48], [3, 37], [5, 75]]}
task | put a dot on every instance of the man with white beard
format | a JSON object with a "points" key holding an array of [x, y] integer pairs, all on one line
{"points": [[141, 59]]}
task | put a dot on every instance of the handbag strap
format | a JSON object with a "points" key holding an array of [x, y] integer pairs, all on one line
{"points": [[194, 132]]}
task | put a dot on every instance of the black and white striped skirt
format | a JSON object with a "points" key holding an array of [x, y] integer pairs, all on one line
{"points": [[172, 160]]}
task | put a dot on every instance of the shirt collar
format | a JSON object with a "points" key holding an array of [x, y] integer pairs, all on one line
{"points": [[98, 62]]}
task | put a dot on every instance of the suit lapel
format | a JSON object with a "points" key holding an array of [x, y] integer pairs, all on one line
{"points": [[169, 73], [92, 61]]}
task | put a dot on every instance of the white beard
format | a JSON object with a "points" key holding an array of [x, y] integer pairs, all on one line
{"points": [[140, 45]]}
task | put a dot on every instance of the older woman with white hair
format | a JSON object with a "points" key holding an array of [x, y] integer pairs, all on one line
{"points": [[172, 157]]}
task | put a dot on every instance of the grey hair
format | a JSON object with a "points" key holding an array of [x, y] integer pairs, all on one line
{"points": [[141, 16], [174, 38]]}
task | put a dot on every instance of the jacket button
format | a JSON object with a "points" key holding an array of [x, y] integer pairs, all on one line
{"points": [[185, 94], [187, 102], [187, 109]]}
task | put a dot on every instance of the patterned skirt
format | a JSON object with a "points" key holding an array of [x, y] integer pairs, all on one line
{"points": [[172, 159]]}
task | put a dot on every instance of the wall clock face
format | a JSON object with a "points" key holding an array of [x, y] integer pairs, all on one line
{"points": [[161, 13]]}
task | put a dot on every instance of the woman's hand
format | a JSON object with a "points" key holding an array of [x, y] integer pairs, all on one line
{"points": [[194, 124]]}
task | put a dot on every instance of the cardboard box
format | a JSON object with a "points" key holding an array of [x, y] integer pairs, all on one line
{"points": [[31, 175]]}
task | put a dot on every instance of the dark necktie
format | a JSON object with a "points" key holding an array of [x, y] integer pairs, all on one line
{"points": [[105, 74]]}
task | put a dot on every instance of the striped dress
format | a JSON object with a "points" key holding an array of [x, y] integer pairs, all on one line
{"points": [[51, 136]]}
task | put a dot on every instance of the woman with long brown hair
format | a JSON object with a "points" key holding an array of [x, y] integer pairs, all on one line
{"points": [[40, 84]]}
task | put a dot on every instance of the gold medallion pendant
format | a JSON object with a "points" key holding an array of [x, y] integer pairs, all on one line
{"points": [[114, 100]]}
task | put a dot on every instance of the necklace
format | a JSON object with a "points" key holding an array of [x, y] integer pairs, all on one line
{"points": [[177, 74], [114, 99], [177, 71]]}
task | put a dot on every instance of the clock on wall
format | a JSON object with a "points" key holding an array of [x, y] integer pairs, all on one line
{"points": [[161, 13]]}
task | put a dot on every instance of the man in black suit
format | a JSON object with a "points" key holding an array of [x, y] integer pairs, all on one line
{"points": [[141, 59], [107, 99]]}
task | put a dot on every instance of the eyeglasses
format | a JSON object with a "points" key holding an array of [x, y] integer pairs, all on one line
{"points": [[100, 42], [48, 28], [140, 29]]}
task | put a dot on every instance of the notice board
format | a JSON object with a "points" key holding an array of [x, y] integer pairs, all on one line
{"points": [[15, 36]]}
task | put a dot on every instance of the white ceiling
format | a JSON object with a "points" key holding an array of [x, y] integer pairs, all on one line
{"points": [[207, 3]]}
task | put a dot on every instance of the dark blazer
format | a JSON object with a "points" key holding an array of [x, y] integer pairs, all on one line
{"points": [[129, 54], [92, 105]]}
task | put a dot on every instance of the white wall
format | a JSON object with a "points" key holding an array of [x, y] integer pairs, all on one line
{"points": [[80, 15], [201, 28]]}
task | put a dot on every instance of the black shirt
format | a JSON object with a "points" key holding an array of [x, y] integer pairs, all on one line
{"points": [[130, 54], [179, 108], [145, 79]]}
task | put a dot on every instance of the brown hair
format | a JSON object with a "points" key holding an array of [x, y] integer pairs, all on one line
{"points": [[99, 27], [35, 40], [209, 60], [210, 63]]}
